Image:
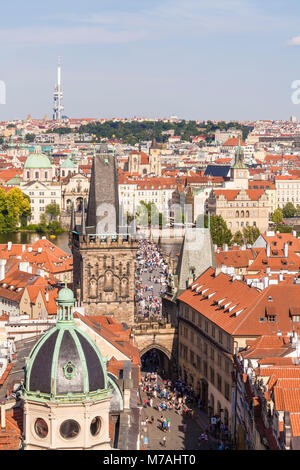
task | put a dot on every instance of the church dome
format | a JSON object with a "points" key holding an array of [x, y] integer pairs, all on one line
{"points": [[37, 160], [65, 295], [65, 361], [65, 364]]}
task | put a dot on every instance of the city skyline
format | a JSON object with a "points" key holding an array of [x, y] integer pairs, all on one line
{"points": [[197, 60]]}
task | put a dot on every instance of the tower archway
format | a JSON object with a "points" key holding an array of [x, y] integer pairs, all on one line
{"points": [[156, 358]]}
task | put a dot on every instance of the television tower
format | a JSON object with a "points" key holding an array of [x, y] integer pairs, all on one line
{"points": [[57, 96]]}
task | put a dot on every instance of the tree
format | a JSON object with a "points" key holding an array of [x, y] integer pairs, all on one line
{"points": [[289, 210], [284, 228], [298, 211], [220, 233], [238, 238], [17, 205], [250, 234], [277, 216], [53, 211], [30, 137]]}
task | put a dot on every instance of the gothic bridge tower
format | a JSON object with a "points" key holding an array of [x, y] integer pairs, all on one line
{"points": [[104, 255]]}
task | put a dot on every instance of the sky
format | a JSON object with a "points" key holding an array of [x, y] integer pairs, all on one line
{"points": [[196, 59]]}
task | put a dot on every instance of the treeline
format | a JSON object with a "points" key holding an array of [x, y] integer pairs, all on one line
{"points": [[135, 132]]}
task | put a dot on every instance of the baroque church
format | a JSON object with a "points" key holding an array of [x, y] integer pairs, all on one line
{"points": [[73, 396], [104, 254]]}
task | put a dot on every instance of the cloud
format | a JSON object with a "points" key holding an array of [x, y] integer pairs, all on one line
{"points": [[294, 41], [67, 36]]}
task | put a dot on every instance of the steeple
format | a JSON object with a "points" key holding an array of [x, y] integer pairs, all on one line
{"points": [[73, 219], [83, 226], [239, 157], [103, 205]]}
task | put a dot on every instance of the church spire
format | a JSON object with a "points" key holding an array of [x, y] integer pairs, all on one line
{"points": [[73, 219], [83, 226], [239, 156]]}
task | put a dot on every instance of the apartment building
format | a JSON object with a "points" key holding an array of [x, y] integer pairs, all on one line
{"points": [[240, 208]]}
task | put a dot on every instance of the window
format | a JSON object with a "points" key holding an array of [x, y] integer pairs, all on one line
{"points": [[41, 428], [213, 331], [205, 348], [219, 382], [206, 326], [69, 429], [192, 357], [198, 363], [227, 391], [220, 337], [212, 354], [219, 360], [205, 368], [212, 375]]}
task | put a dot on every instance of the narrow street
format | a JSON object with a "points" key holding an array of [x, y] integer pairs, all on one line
{"points": [[184, 431]]}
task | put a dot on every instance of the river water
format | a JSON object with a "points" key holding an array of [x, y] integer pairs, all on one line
{"points": [[29, 237], [62, 241]]}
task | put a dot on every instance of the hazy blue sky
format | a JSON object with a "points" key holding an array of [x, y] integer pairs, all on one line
{"points": [[198, 59]]}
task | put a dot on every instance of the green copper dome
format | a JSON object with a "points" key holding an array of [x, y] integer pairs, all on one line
{"points": [[65, 364], [68, 164], [37, 160], [65, 296]]}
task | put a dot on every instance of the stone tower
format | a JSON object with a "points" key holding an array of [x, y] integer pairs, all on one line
{"points": [[104, 254], [239, 171]]}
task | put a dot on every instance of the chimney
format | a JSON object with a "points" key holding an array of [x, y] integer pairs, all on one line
{"points": [[9, 244], [3, 418], [225, 247], [286, 250], [2, 268], [266, 282], [47, 296], [29, 249], [280, 277], [40, 249], [294, 233], [23, 248], [268, 250]]}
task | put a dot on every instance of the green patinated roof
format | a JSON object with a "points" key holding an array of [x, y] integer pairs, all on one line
{"points": [[65, 364], [16, 180], [66, 295], [68, 164], [37, 160]]}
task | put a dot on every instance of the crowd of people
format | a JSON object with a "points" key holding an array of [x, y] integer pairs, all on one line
{"points": [[151, 281], [169, 395]]}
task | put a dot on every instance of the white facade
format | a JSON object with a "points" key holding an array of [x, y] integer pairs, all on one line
{"points": [[287, 191], [131, 195], [41, 195]]}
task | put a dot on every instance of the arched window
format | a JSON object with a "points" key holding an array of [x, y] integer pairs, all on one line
{"points": [[237, 214], [37, 175], [247, 214], [242, 214]]}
